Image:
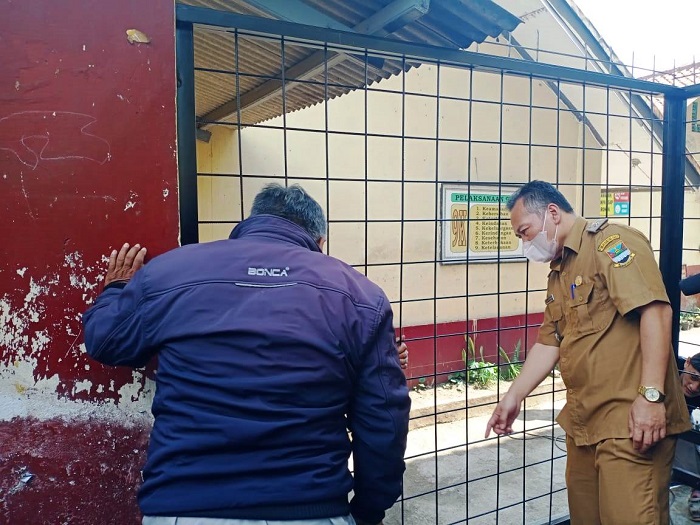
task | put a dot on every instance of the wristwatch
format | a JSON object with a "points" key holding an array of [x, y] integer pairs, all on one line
{"points": [[651, 394]]}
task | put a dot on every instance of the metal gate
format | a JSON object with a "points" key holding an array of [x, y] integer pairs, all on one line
{"points": [[412, 150]]}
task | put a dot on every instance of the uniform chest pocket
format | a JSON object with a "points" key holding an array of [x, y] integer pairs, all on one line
{"points": [[581, 309], [555, 311], [557, 315]]}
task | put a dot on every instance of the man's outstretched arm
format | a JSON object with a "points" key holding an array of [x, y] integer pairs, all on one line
{"points": [[540, 361]]}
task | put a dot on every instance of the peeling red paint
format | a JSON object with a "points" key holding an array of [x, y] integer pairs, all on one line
{"points": [[85, 472], [87, 123], [87, 127]]}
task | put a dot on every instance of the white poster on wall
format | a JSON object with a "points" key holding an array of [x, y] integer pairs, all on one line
{"points": [[476, 225]]}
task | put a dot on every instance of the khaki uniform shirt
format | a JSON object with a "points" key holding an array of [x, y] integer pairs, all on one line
{"points": [[606, 271]]}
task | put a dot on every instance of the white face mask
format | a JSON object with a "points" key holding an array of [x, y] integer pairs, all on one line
{"points": [[540, 249]]}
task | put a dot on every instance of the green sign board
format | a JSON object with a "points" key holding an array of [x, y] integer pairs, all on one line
{"points": [[479, 197], [476, 225]]}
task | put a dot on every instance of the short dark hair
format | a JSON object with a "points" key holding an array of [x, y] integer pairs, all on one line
{"points": [[536, 195], [291, 203], [695, 362]]}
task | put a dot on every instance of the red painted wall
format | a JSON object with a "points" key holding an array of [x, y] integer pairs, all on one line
{"points": [[435, 351], [87, 162]]}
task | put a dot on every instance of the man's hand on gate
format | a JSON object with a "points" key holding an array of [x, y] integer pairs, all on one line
{"points": [[125, 263], [402, 349], [647, 424], [501, 421]]}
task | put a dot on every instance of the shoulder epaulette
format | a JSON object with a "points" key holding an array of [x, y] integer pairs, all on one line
{"points": [[597, 225]]}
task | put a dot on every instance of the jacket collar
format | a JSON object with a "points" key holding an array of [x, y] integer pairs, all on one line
{"points": [[276, 228]]}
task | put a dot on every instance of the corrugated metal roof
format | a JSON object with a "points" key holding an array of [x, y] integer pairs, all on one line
{"points": [[448, 23], [682, 76]]}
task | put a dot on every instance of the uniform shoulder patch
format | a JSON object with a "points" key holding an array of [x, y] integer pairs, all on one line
{"points": [[607, 241], [597, 225], [619, 253]]}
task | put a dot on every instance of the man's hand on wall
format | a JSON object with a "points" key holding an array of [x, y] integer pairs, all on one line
{"points": [[125, 263]]}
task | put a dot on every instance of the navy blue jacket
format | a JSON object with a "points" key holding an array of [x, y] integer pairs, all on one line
{"points": [[267, 351]]}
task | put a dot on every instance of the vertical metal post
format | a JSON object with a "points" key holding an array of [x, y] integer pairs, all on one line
{"points": [[672, 199], [186, 134]]}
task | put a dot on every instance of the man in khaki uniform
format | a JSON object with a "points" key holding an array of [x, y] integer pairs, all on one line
{"points": [[607, 322]]}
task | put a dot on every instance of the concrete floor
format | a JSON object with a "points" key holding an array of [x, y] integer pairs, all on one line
{"points": [[679, 506], [470, 478], [461, 483]]}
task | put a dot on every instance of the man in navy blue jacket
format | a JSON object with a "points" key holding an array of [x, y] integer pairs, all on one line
{"points": [[268, 351]]}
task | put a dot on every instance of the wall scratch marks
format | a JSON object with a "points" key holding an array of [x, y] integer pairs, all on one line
{"points": [[37, 136], [26, 197]]}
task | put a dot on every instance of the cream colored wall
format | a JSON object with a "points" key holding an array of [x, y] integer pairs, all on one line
{"points": [[645, 211], [218, 184], [549, 41], [395, 178], [646, 203]]}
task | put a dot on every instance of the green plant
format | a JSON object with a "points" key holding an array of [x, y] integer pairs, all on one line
{"points": [[690, 315], [479, 373], [469, 354], [456, 378], [422, 385], [687, 320], [511, 369]]}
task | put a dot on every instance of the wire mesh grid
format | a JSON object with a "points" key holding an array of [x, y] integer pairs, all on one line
{"points": [[413, 172]]}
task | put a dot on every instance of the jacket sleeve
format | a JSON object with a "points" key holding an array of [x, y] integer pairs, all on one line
{"points": [[114, 325], [378, 420]]}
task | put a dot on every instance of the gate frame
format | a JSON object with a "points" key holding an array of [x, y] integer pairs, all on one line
{"points": [[673, 122], [673, 150]]}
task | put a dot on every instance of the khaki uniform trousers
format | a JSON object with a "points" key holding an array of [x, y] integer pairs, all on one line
{"points": [[610, 483]]}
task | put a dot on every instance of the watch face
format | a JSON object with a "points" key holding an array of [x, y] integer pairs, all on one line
{"points": [[652, 394]]}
